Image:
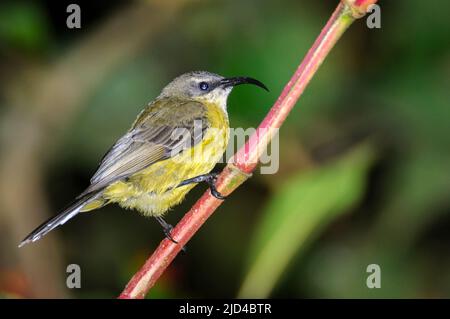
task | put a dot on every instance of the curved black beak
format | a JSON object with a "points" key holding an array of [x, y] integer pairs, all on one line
{"points": [[227, 82]]}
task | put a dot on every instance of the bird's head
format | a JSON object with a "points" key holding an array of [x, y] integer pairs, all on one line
{"points": [[205, 87]]}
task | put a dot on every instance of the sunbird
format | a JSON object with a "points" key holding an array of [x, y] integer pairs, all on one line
{"points": [[173, 145]]}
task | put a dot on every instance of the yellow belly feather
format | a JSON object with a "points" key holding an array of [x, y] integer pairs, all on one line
{"points": [[153, 190]]}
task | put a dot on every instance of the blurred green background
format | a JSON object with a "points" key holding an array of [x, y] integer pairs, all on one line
{"points": [[364, 172]]}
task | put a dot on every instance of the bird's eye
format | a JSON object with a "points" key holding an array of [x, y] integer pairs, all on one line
{"points": [[203, 86]]}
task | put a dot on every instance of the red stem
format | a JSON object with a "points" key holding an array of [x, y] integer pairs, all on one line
{"points": [[246, 158]]}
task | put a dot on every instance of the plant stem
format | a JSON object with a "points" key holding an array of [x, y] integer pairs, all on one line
{"points": [[246, 158]]}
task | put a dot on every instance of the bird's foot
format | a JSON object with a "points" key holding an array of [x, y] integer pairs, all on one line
{"points": [[167, 229], [210, 179]]}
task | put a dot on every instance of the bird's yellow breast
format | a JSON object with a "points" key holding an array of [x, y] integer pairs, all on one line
{"points": [[153, 190]]}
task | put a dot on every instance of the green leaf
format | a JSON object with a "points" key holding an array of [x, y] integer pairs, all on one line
{"points": [[300, 208], [23, 26]]}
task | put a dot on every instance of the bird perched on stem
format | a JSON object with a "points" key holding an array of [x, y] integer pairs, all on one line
{"points": [[174, 144]]}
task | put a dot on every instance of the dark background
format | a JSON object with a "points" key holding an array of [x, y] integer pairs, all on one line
{"points": [[364, 156]]}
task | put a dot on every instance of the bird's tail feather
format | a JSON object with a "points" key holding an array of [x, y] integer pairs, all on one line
{"points": [[71, 211]]}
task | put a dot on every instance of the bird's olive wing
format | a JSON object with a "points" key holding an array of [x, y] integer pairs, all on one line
{"points": [[162, 130]]}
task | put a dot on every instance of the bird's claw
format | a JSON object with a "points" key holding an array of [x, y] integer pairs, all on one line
{"points": [[212, 186]]}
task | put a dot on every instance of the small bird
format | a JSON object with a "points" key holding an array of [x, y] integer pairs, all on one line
{"points": [[174, 144]]}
